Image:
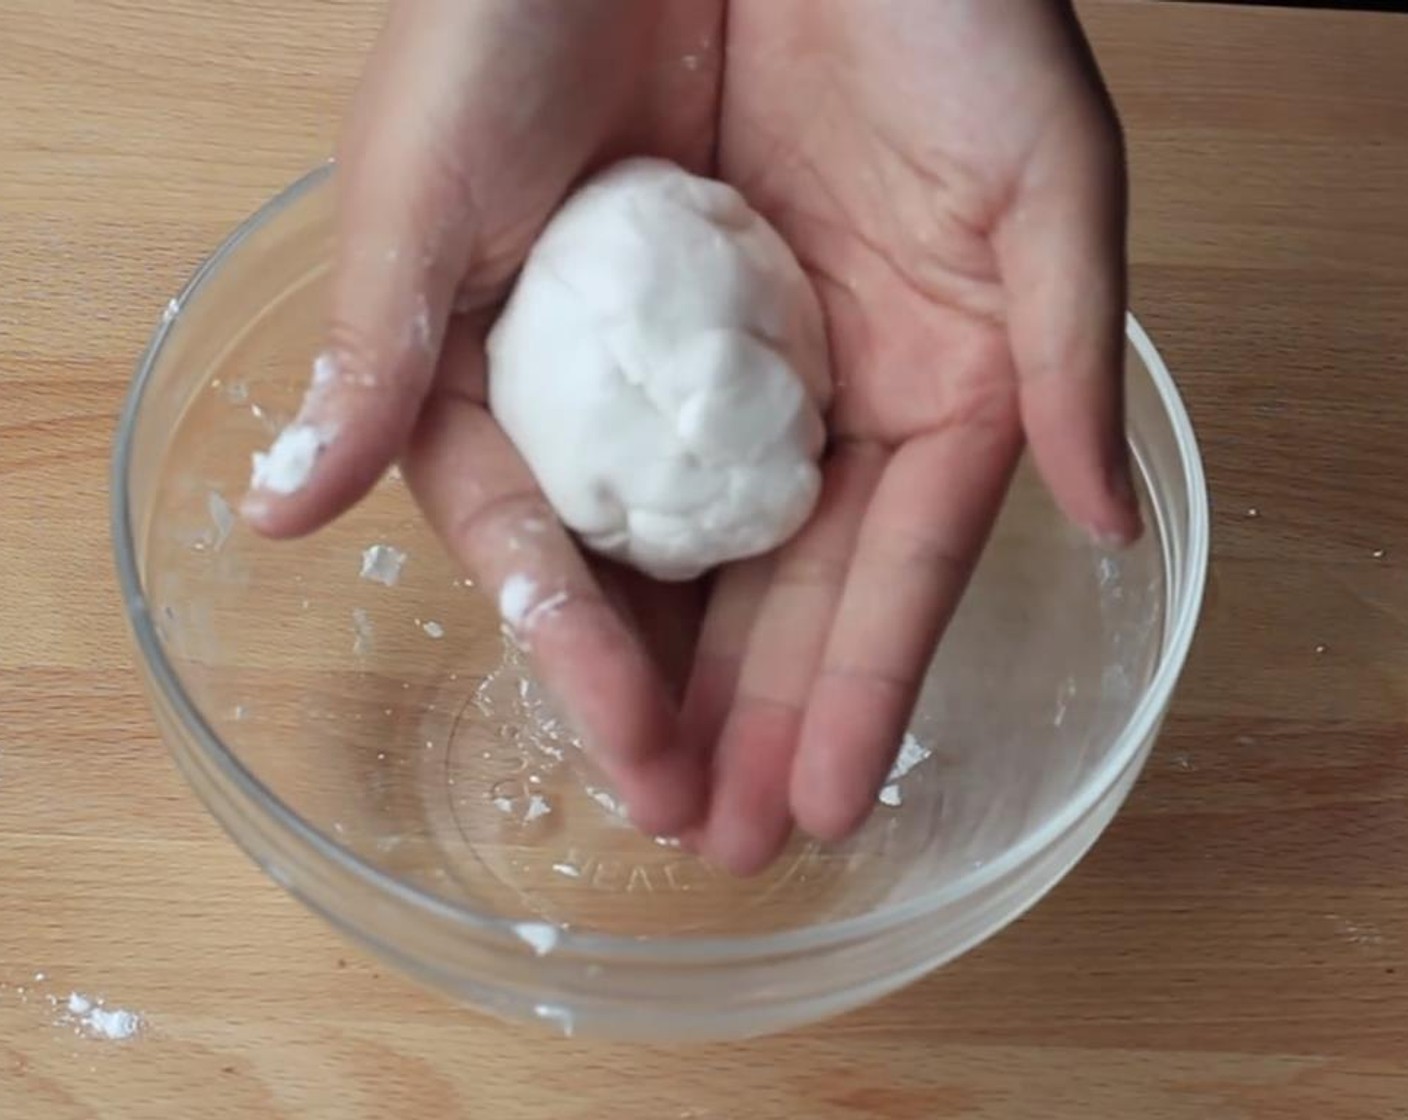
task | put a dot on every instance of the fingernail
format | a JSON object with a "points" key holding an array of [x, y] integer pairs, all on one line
{"points": [[1124, 528]]}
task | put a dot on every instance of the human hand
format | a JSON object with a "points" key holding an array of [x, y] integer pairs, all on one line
{"points": [[973, 282], [951, 175], [473, 121]]}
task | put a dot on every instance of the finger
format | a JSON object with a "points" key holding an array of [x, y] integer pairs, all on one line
{"points": [[403, 234], [1061, 251], [665, 616], [749, 816], [482, 500], [723, 635], [918, 543], [728, 619]]}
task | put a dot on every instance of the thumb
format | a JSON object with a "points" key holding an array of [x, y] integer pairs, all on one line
{"points": [[1062, 255]]}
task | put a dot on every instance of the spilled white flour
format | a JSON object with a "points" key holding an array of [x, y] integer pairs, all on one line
{"points": [[433, 629], [289, 462], [92, 1019], [381, 563], [86, 1016]]}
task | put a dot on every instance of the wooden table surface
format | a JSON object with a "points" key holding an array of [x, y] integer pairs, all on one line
{"points": [[1235, 946]]}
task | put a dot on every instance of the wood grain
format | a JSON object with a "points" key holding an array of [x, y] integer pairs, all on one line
{"points": [[1236, 946]]}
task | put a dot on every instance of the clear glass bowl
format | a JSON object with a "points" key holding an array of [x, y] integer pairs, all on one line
{"points": [[380, 751]]}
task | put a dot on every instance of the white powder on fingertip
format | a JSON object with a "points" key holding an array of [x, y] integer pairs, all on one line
{"points": [[540, 936], [288, 464], [516, 598], [324, 370], [381, 563]]}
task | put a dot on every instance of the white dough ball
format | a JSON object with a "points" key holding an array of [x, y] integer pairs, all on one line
{"points": [[662, 367]]}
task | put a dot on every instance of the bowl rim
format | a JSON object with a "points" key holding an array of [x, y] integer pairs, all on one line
{"points": [[1140, 725]]}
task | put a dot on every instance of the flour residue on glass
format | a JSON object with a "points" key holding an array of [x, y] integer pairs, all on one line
{"points": [[525, 722], [912, 753], [511, 699], [541, 937]]}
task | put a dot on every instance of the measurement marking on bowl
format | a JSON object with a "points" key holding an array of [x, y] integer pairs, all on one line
{"points": [[508, 745]]}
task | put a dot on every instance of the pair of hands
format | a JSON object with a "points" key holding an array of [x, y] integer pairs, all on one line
{"points": [[950, 174]]}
